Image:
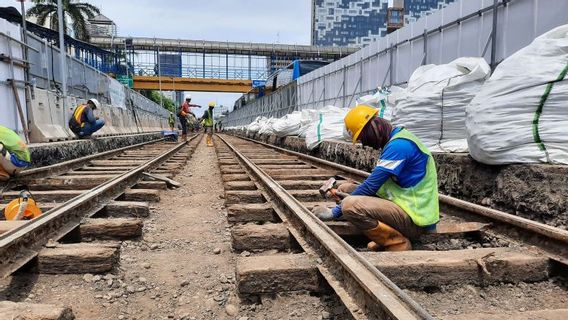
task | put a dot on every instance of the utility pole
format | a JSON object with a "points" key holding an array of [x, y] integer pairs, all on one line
{"points": [[62, 54]]}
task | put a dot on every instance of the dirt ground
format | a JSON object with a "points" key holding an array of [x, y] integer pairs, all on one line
{"points": [[183, 267], [453, 300]]}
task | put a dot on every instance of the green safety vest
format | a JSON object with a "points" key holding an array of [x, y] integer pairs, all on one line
{"points": [[420, 202], [208, 122], [14, 144]]}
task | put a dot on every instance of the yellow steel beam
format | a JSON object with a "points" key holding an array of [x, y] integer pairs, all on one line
{"points": [[192, 84]]}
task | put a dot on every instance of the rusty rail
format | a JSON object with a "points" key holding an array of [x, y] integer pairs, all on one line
{"points": [[366, 292], [22, 244], [538, 228]]}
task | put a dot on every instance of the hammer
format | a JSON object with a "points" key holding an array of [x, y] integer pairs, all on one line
{"points": [[330, 187]]}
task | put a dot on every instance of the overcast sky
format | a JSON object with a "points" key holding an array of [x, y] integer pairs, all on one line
{"points": [[221, 20]]}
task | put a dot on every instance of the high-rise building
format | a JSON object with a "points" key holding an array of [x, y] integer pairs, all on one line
{"points": [[360, 22]]}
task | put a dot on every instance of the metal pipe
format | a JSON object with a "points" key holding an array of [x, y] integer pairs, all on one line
{"points": [[62, 54], [494, 35]]}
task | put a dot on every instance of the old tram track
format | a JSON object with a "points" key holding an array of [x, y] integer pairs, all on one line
{"points": [[96, 198], [269, 192]]}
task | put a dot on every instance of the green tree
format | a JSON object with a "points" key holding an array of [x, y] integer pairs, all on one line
{"points": [[155, 96], [79, 12]]}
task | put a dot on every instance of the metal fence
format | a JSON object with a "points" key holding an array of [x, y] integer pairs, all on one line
{"points": [[464, 28]]}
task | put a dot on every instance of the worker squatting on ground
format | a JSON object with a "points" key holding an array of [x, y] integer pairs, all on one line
{"points": [[83, 122], [399, 200], [14, 154], [183, 114], [208, 123]]}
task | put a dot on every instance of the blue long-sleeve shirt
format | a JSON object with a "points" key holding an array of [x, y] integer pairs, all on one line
{"points": [[88, 115], [400, 159]]}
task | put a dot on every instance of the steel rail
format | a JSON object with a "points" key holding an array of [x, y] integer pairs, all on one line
{"points": [[22, 244], [541, 229], [376, 296], [68, 165]]}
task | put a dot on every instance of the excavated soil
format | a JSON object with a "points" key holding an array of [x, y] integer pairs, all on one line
{"points": [[183, 268]]}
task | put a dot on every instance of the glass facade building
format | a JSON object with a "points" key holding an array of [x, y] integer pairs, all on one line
{"points": [[360, 22]]}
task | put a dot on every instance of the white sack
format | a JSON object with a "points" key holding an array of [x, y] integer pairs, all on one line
{"points": [[500, 119], [329, 126], [433, 105], [256, 124], [383, 99], [266, 127]]}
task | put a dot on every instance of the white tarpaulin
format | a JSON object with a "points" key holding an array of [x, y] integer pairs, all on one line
{"points": [[328, 126], [520, 115], [433, 105]]}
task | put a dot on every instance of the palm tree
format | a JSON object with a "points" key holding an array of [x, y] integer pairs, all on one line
{"points": [[79, 12]]}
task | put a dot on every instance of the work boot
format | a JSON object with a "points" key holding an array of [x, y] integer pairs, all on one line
{"points": [[388, 238], [184, 137]]}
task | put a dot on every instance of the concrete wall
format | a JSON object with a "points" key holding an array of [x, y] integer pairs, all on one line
{"points": [[535, 192]]}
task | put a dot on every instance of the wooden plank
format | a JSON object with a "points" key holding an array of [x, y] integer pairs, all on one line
{"points": [[277, 273], [253, 237], [127, 209], [260, 274], [168, 181], [78, 258], [156, 185], [246, 196], [253, 212], [555, 314], [148, 195], [32, 311], [111, 229]]}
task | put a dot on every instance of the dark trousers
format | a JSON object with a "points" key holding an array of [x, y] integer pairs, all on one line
{"points": [[183, 122]]}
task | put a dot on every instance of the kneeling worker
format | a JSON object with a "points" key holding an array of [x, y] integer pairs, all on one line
{"points": [[399, 200], [83, 122], [14, 154], [208, 123]]}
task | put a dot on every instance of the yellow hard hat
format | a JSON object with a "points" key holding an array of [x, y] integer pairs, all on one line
{"points": [[212, 104], [32, 210], [357, 118]]}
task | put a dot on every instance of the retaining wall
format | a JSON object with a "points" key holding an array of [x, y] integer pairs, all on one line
{"points": [[44, 154], [538, 191]]}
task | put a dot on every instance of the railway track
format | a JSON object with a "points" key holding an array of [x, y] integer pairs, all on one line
{"points": [[98, 197], [270, 192]]}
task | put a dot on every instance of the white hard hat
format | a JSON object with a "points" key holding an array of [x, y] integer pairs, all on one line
{"points": [[95, 102], [187, 96]]}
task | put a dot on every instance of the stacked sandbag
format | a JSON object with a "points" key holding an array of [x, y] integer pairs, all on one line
{"points": [[328, 126], [433, 105], [520, 115]]}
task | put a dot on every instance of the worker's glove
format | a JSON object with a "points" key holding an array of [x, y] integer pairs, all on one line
{"points": [[341, 195], [323, 213]]}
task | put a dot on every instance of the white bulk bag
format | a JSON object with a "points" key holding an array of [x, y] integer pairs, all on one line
{"points": [[520, 115], [381, 100], [256, 124], [433, 105], [328, 126], [288, 125], [266, 127]]}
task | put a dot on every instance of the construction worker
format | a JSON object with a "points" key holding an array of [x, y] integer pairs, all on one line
{"points": [[83, 122], [14, 154], [399, 200], [208, 123], [183, 113], [171, 121]]}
